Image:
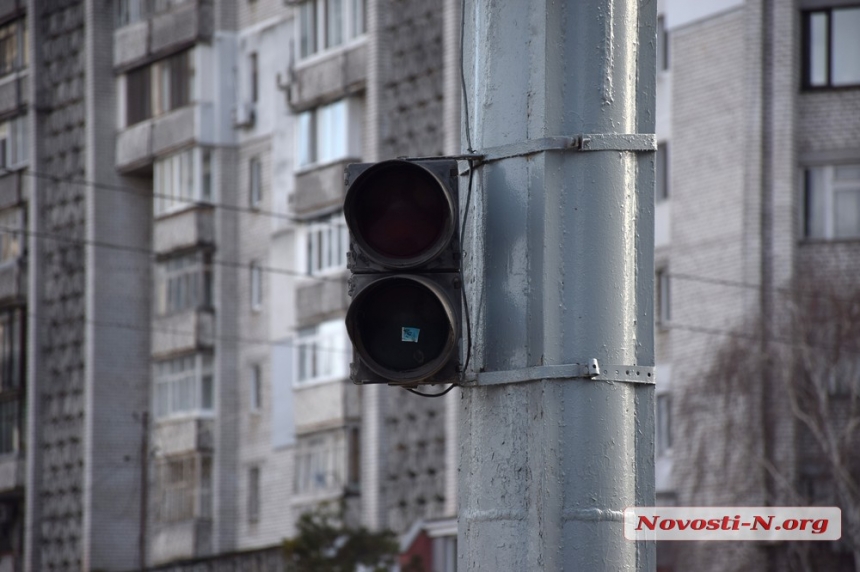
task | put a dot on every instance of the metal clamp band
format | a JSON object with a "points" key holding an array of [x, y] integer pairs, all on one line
{"points": [[591, 370], [634, 142]]}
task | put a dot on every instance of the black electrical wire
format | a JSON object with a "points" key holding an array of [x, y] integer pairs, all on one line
{"points": [[440, 394], [463, 77]]}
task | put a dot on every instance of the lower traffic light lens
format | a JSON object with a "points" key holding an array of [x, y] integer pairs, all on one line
{"points": [[400, 211], [402, 327]]}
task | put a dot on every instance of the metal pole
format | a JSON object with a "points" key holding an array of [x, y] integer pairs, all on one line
{"points": [[144, 489], [559, 258]]}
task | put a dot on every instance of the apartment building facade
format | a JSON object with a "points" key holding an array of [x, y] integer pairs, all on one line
{"points": [[174, 383], [757, 124]]}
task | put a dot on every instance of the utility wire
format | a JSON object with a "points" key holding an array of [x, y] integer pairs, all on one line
{"points": [[463, 77], [139, 193], [153, 254], [154, 329]]}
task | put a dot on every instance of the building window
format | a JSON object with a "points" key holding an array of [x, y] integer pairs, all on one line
{"points": [[255, 181], [321, 352], [10, 424], [319, 464], [12, 349], [130, 11], [664, 423], [256, 397], [185, 488], [330, 132], [832, 202], [184, 283], [327, 24], [159, 88], [663, 306], [11, 234], [14, 48], [256, 286], [253, 494], [662, 44], [138, 101], [182, 180], [831, 47], [327, 244], [662, 175], [184, 385], [14, 143], [354, 472], [206, 177], [254, 77]]}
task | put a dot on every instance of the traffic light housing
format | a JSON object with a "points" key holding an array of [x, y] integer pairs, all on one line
{"points": [[404, 255]]}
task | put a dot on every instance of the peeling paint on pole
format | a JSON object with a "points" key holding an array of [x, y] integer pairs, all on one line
{"points": [[559, 253]]}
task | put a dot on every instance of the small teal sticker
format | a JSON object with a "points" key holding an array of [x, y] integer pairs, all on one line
{"points": [[409, 334]]}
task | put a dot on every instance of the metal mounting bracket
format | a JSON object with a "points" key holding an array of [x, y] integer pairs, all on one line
{"points": [[636, 142], [591, 370]]}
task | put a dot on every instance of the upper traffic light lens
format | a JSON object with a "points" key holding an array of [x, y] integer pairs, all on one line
{"points": [[400, 213]]}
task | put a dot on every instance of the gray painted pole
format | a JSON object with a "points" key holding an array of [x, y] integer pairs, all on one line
{"points": [[559, 258]]}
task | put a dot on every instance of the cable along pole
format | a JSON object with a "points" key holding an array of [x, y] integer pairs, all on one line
{"points": [[557, 415]]}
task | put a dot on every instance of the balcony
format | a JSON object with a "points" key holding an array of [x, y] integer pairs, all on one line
{"points": [[139, 144], [320, 189], [188, 228], [186, 331], [330, 77], [13, 93], [161, 34], [176, 436], [182, 540], [14, 188], [11, 8], [13, 281], [320, 301], [12, 470]]}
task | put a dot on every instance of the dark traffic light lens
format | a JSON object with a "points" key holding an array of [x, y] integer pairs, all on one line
{"points": [[403, 326], [400, 211]]}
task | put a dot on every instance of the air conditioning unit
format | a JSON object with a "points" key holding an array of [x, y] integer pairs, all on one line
{"points": [[244, 114]]}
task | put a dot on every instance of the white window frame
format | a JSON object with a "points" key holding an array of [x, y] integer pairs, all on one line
{"points": [[184, 488], [256, 285], [822, 186], [11, 235], [154, 96], [128, 12], [14, 143], [254, 76], [663, 416], [184, 283], [317, 33], [661, 175], [182, 386], [329, 133], [818, 58], [255, 181], [320, 464], [663, 302], [326, 244], [254, 477], [180, 180], [17, 32], [663, 54], [255, 389], [321, 353]]}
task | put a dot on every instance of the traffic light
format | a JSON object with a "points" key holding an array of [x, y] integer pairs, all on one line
{"points": [[404, 255]]}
